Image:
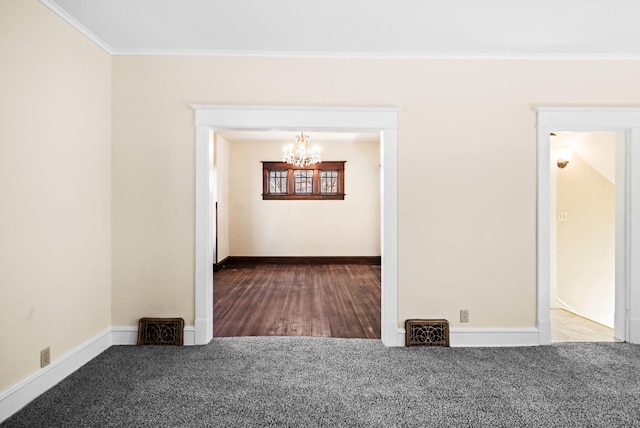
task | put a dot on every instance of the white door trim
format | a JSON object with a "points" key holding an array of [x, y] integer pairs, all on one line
{"points": [[210, 118], [552, 119]]}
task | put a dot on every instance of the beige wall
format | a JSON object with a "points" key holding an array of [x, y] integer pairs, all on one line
{"points": [[55, 221], [586, 242], [466, 168], [350, 227], [221, 172], [325, 228]]}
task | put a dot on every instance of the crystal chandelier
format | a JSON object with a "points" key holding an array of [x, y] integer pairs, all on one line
{"points": [[299, 154]]}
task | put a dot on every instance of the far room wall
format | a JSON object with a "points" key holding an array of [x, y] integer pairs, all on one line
{"points": [[349, 227], [221, 197], [586, 240]]}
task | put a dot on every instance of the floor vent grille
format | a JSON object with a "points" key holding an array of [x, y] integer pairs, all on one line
{"points": [[427, 332], [161, 331]]}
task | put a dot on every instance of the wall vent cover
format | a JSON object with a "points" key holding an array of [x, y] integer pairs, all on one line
{"points": [[427, 332], [161, 331]]}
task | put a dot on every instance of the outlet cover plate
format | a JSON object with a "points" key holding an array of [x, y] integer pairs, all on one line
{"points": [[45, 357]]}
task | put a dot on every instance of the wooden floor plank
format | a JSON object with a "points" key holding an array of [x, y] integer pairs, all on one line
{"points": [[297, 300], [322, 327]]}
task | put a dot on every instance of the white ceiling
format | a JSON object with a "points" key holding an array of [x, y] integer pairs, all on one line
{"points": [[360, 28]]}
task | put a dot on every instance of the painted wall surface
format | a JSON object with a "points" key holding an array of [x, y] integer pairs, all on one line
{"points": [[586, 242], [55, 210], [221, 169], [349, 227], [466, 168]]}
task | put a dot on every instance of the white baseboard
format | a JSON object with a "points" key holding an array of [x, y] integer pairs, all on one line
{"points": [[544, 332], [477, 337], [124, 335], [205, 331], [389, 337], [525, 336], [128, 335], [563, 305], [22, 393], [634, 330]]}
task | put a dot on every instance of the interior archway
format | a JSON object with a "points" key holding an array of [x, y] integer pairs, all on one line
{"points": [[213, 118]]}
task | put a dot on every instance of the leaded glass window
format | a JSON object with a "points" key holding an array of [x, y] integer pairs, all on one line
{"points": [[328, 181], [321, 181], [278, 182], [303, 180]]}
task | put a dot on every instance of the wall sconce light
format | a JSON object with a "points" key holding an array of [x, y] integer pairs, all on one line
{"points": [[564, 157]]}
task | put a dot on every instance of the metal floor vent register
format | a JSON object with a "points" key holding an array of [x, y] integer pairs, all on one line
{"points": [[427, 332], [161, 331]]}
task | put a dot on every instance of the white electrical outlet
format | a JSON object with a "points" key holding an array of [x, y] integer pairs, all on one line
{"points": [[464, 315], [562, 216], [45, 357]]}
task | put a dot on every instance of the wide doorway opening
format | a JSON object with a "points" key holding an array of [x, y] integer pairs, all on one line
{"points": [[212, 119], [303, 266], [583, 234]]}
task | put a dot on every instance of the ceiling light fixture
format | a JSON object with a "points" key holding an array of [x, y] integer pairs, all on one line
{"points": [[299, 154]]}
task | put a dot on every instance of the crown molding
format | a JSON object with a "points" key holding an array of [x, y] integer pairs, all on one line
{"points": [[372, 55], [77, 25]]}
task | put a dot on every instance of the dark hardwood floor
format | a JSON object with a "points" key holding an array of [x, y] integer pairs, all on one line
{"points": [[297, 300]]}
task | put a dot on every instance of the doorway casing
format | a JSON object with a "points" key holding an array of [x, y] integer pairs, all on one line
{"points": [[627, 120], [212, 118]]}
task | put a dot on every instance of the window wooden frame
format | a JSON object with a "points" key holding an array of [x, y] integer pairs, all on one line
{"points": [[267, 167]]}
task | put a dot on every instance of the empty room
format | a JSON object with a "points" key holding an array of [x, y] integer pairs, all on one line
{"points": [[154, 153], [297, 244]]}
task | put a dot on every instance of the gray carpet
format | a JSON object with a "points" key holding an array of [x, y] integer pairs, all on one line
{"points": [[317, 382]]}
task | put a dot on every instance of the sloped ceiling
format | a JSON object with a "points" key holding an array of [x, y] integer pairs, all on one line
{"points": [[353, 28], [597, 149]]}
